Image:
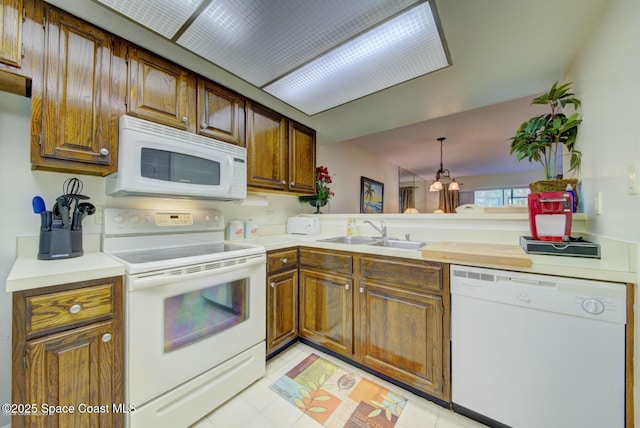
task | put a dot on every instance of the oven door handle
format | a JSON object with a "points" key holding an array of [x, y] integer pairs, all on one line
{"points": [[164, 278]]}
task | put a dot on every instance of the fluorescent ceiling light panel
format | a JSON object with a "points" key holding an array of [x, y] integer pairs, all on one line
{"points": [[398, 50], [165, 17], [261, 41]]}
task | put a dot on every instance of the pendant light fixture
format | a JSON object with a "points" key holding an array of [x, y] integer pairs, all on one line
{"points": [[436, 186]]}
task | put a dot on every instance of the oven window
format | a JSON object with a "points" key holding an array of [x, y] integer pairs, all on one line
{"points": [[177, 167], [193, 316]]}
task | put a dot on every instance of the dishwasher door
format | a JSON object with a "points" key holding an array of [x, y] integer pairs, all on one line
{"points": [[532, 351]]}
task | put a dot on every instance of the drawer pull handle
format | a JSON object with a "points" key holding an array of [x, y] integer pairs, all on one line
{"points": [[361, 290], [284, 261], [293, 183], [185, 119], [106, 337], [204, 125], [273, 285], [104, 152], [75, 309], [346, 286], [284, 181]]}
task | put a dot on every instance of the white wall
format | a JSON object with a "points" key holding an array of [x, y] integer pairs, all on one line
{"points": [[19, 184], [348, 162], [606, 78]]}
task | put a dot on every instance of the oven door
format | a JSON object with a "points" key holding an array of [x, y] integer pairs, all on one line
{"points": [[183, 322]]}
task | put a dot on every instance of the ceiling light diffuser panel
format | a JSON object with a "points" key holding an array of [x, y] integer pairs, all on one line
{"points": [[400, 49], [261, 41], [311, 54], [165, 17]]}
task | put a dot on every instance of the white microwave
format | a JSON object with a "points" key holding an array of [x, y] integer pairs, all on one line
{"points": [[157, 160]]}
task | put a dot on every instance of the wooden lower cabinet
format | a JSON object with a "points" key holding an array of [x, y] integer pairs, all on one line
{"points": [[282, 298], [70, 372], [282, 309], [390, 315], [326, 306], [400, 335], [402, 321]]}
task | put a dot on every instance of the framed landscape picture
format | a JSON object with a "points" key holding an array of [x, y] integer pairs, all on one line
{"points": [[371, 196]]}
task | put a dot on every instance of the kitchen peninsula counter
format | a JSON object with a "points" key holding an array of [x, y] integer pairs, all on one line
{"points": [[618, 262]]}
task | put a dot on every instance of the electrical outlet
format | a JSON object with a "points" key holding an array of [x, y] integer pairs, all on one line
{"points": [[633, 179], [598, 203], [98, 217]]}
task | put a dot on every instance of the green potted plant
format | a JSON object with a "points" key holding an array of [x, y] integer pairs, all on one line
{"points": [[323, 191], [542, 138]]}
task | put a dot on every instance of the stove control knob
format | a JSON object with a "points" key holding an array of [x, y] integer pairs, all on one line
{"points": [[593, 306], [119, 219]]}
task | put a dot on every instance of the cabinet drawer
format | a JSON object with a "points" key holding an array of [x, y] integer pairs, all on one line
{"points": [[402, 272], [66, 308], [279, 261], [329, 261]]}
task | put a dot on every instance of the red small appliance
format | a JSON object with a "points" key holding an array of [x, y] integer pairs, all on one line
{"points": [[550, 215]]}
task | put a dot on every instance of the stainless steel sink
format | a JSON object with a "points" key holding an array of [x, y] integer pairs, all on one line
{"points": [[353, 240], [399, 244]]}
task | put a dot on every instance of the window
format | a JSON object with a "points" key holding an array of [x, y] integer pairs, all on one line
{"points": [[500, 197]]}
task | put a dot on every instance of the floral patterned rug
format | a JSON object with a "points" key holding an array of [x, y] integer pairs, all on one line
{"points": [[338, 398]]}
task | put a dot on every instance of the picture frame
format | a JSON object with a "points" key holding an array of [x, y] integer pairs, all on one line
{"points": [[371, 196]]}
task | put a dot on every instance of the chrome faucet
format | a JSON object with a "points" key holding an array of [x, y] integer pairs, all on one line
{"points": [[382, 230]]}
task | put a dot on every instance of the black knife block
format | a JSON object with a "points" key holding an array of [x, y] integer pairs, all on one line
{"points": [[60, 243]]}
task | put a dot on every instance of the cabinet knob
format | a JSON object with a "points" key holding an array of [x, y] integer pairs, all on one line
{"points": [[284, 181], [346, 286], [104, 152], [106, 337], [293, 183], [185, 119], [273, 285], [284, 261], [75, 309], [361, 290], [204, 125]]}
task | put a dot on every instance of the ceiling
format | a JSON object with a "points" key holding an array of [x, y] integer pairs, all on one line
{"points": [[502, 53], [313, 55]]}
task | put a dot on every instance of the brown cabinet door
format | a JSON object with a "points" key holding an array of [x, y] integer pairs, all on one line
{"points": [[78, 132], [302, 159], [71, 369], [161, 91], [282, 309], [11, 32], [267, 150], [220, 113], [326, 304], [400, 333]]}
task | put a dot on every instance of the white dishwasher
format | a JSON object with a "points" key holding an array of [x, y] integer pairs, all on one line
{"points": [[532, 351]]}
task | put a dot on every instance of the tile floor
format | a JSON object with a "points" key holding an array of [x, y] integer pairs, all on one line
{"points": [[260, 407]]}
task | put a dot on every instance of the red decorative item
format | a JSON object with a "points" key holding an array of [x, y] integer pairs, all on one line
{"points": [[550, 216]]}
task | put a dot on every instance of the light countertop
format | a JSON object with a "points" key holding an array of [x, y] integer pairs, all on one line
{"points": [[28, 272], [617, 263]]}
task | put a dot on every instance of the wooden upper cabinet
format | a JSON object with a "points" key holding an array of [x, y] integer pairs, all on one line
{"points": [[281, 153], [161, 91], [11, 32], [220, 113], [267, 150], [77, 130], [302, 158]]}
